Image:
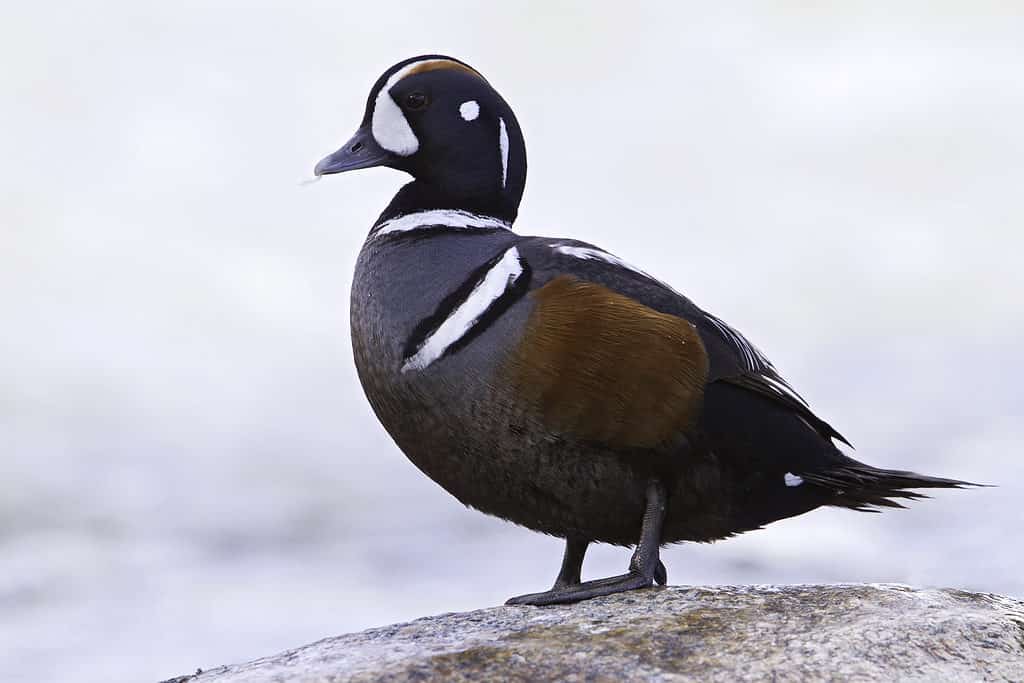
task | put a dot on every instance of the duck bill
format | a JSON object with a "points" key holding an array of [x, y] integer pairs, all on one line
{"points": [[361, 151]]}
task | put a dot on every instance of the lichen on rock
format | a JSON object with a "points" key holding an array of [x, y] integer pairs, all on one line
{"points": [[726, 633]]}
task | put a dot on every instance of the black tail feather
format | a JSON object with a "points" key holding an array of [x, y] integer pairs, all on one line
{"points": [[868, 489]]}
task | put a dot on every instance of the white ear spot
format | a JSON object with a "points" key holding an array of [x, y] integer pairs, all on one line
{"points": [[469, 110]]}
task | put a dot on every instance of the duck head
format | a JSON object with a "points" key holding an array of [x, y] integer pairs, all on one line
{"points": [[439, 120]]}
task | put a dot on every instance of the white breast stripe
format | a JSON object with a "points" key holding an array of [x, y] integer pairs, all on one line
{"points": [[498, 279], [447, 218], [388, 124], [503, 147]]}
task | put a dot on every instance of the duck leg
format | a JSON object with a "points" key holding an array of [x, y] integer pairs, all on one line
{"points": [[645, 567], [572, 563]]}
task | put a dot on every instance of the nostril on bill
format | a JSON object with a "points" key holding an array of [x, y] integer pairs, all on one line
{"points": [[356, 147]]}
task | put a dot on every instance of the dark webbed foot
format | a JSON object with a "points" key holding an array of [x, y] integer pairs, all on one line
{"points": [[584, 591], [645, 568]]}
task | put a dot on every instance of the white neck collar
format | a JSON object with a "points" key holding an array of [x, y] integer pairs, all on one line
{"points": [[440, 218]]}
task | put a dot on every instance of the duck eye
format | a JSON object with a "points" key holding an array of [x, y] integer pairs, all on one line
{"points": [[415, 101]]}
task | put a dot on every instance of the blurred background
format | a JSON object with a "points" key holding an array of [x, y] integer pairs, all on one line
{"points": [[189, 473]]}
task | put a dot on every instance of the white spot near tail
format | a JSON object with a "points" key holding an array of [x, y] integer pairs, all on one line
{"points": [[469, 110], [498, 279], [503, 147], [793, 479]]}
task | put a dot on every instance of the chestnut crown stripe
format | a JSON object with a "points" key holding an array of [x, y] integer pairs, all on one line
{"points": [[388, 124], [434, 64]]}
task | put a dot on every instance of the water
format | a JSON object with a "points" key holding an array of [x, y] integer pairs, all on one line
{"points": [[189, 473]]}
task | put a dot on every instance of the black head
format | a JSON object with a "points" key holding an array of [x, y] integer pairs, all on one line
{"points": [[439, 120]]}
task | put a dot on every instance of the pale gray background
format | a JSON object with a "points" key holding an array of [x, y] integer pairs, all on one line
{"points": [[189, 472]]}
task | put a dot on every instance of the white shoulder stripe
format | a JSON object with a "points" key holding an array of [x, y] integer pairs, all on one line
{"points": [[447, 218], [495, 282]]}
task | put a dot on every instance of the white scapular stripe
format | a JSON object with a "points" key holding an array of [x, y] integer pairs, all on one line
{"points": [[503, 147], [498, 279], [782, 387], [589, 253], [469, 110], [389, 127], [445, 218], [753, 359], [793, 479]]}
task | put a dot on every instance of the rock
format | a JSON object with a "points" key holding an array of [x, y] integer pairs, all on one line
{"points": [[778, 633]]}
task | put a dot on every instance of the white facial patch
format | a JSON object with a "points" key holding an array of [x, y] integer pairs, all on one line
{"points": [[503, 148], [793, 479], [496, 282], [469, 110], [388, 124]]}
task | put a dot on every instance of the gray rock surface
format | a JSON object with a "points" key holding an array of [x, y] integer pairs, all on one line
{"points": [[728, 633]]}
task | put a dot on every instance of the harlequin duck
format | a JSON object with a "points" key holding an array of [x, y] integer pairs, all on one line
{"points": [[548, 382]]}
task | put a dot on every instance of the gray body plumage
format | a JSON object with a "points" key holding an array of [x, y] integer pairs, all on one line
{"points": [[463, 427]]}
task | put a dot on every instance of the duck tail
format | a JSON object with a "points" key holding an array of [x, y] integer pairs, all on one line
{"points": [[862, 487]]}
